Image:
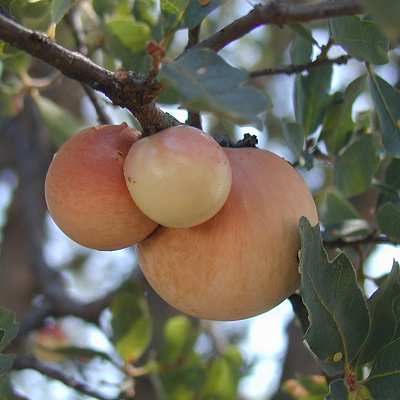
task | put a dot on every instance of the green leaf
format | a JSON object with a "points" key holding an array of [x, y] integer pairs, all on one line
{"points": [[294, 136], [315, 384], [387, 105], [301, 50], [60, 122], [172, 12], [220, 382], [362, 39], [15, 61], [196, 12], [235, 359], [206, 82], [59, 9], [6, 389], [305, 33], [131, 323], [312, 97], [126, 40], [383, 381], [388, 217], [9, 328], [356, 165], [179, 336], [338, 124], [336, 209], [144, 11], [338, 390], [6, 363], [182, 392], [186, 378], [103, 7], [383, 319], [338, 313], [391, 190], [387, 13], [33, 14], [133, 35]]}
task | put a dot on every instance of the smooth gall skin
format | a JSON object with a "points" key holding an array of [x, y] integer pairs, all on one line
{"points": [[243, 261], [179, 177], [86, 193]]}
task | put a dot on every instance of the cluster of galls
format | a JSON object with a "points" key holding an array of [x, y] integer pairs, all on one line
{"points": [[216, 228]]}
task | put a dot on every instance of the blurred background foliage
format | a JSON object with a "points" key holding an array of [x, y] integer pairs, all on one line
{"points": [[338, 123]]}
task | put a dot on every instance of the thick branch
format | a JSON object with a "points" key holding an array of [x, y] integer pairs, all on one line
{"points": [[24, 362], [126, 89], [295, 69], [279, 13]]}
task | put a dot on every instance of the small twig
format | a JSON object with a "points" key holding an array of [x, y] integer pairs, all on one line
{"points": [[300, 310], [75, 23], [359, 249], [247, 141], [370, 239], [193, 37], [194, 118], [27, 362], [35, 317], [296, 69], [39, 83], [101, 114], [280, 13]]}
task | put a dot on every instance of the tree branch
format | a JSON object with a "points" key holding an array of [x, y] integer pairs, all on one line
{"points": [[123, 88], [279, 13], [25, 362], [373, 238], [295, 69], [101, 114], [194, 118], [75, 23]]}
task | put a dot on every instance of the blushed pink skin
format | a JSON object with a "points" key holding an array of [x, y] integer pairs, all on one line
{"points": [[179, 177], [243, 261], [86, 193]]}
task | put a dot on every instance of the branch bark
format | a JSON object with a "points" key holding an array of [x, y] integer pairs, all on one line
{"points": [[126, 89], [371, 239], [76, 25], [280, 13], [102, 116], [296, 69], [27, 362]]}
